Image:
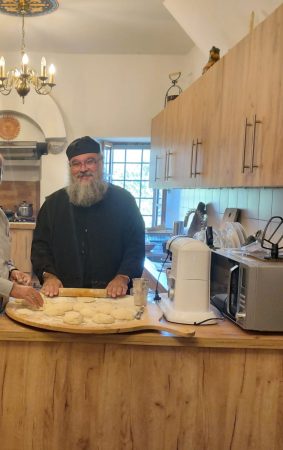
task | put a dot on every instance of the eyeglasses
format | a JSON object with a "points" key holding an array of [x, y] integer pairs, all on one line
{"points": [[89, 163]]}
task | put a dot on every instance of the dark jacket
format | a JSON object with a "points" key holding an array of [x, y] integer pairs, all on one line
{"points": [[89, 246]]}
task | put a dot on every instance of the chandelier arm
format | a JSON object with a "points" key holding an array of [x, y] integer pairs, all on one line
{"points": [[43, 90], [5, 91], [22, 79]]}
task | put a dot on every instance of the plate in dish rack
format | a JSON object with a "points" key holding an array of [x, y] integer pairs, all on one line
{"points": [[151, 319]]}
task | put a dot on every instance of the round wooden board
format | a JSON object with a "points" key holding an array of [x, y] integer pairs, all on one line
{"points": [[151, 320]]}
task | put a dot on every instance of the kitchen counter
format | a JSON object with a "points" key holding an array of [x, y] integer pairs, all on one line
{"points": [[220, 389], [222, 335], [22, 225], [152, 274]]}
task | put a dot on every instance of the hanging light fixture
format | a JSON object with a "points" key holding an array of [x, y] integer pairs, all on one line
{"points": [[24, 77]]}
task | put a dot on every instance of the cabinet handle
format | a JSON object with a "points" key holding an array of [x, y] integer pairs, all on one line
{"points": [[169, 154], [196, 158], [253, 166], [165, 167], [156, 164], [245, 145], [192, 157]]}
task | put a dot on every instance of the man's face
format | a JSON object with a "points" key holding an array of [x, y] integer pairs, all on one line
{"points": [[86, 179], [84, 168]]}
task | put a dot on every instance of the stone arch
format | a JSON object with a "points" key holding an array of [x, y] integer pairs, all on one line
{"points": [[41, 110]]}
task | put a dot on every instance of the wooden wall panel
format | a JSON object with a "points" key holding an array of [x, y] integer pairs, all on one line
{"points": [[80, 396]]}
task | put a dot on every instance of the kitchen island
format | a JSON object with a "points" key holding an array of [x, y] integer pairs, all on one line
{"points": [[220, 389]]}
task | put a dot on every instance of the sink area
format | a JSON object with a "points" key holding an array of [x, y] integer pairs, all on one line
{"points": [[158, 259]]}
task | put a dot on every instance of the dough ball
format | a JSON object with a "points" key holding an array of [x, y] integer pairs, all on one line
{"points": [[57, 309], [86, 299], [123, 314], [87, 311], [73, 318], [25, 311], [79, 306], [102, 318], [104, 308], [24, 303]]}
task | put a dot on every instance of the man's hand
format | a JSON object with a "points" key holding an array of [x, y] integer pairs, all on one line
{"points": [[20, 277], [118, 286], [51, 285], [27, 293]]}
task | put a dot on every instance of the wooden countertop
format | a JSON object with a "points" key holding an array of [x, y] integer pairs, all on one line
{"points": [[222, 335], [22, 225]]}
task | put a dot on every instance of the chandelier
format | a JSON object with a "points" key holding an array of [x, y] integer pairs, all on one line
{"points": [[24, 77]]}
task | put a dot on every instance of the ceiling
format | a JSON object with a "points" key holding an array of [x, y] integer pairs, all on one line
{"points": [[99, 27]]}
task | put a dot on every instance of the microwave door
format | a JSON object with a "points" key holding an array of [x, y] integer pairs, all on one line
{"points": [[232, 292]]}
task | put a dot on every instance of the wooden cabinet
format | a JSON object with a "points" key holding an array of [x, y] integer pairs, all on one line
{"points": [[227, 126], [206, 107], [184, 143], [252, 114], [267, 102], [157, 155], [166, 162], [21, 239]]}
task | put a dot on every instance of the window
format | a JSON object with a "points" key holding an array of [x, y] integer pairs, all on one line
{"points": [[127, 165]]}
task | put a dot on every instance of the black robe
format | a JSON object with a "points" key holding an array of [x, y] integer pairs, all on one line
{"points": [[89, 246]]}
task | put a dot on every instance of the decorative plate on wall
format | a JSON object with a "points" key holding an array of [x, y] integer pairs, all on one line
{"points": [[9, 127]]}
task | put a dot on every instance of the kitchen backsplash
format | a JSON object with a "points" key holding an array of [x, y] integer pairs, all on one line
{"points": [[12, 193], [257, 204]]}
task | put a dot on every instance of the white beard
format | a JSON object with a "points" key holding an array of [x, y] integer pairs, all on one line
{"points": [[86, 194]]}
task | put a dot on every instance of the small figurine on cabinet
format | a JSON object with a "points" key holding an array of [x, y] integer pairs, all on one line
{"points": [[214, 56]]}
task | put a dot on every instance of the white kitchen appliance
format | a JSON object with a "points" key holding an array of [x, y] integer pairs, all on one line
{"points": [[188, 296]]}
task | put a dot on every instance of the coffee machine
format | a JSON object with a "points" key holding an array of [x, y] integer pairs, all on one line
{"points": [[188, 297]]}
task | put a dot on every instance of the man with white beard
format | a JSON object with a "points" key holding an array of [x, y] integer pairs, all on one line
{"points": [[13, 282], [89, 234]]}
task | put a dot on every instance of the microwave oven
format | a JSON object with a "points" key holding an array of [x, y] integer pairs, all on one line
{"points": [[247, 290]]}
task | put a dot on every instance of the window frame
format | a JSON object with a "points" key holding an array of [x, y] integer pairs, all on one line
{"points": [[158, 198]]}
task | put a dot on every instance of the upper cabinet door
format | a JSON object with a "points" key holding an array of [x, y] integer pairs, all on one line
{"points": [[251, 137], [169, 149], [157, 154], [267, 81], [173, 157], [236, 115], [207, 116], [185, 140]]}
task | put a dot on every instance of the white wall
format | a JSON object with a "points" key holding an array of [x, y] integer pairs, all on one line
{"points": [[102, 96], [111, 95], [221, 23]]}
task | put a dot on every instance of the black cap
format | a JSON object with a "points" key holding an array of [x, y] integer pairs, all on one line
{"points": [[82, 145]]}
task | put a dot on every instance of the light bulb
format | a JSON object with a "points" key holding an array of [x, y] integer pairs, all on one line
{"points": [[2, 67], [43, 67], [24, 63], [51, 73]]}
